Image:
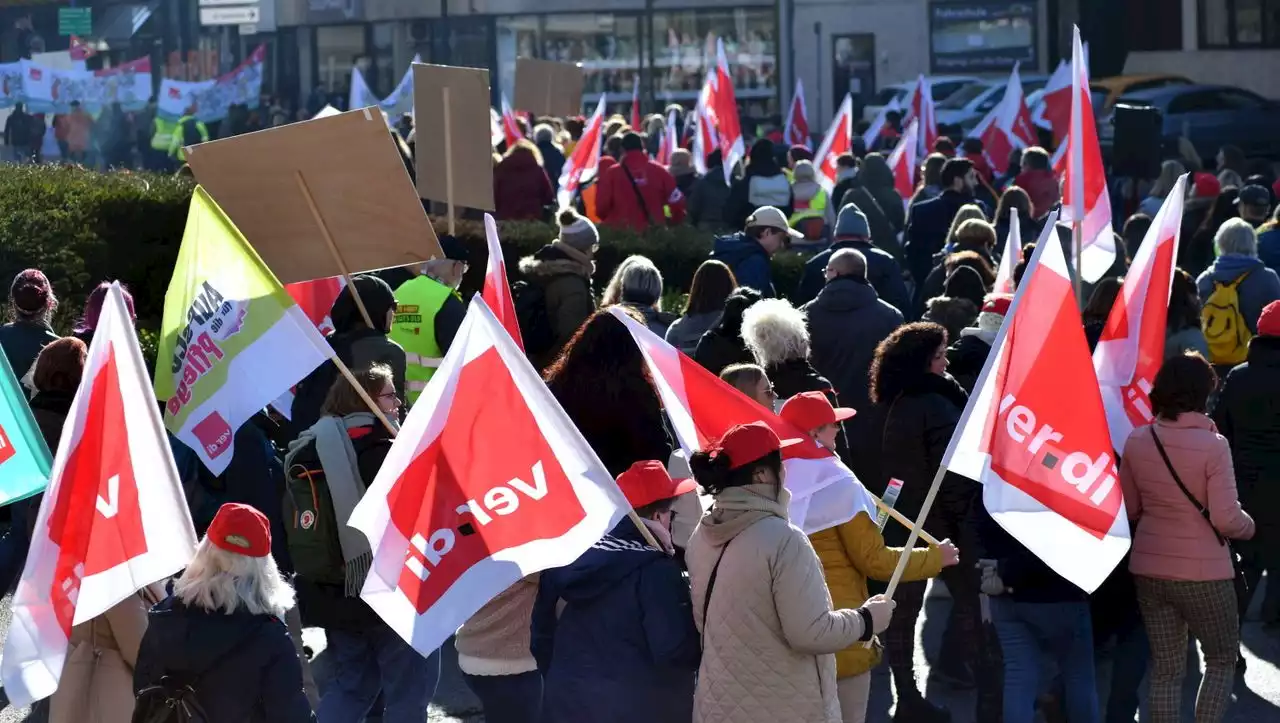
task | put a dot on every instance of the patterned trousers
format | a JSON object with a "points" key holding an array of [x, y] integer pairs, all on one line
{"points": [[1171, 608]]}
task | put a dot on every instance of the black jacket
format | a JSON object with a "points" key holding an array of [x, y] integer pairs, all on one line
{"points": [[794, 376], [552, 162], [883, 272], [22, 342], [244, 667], [1024, 574], [927, 227], [935, 282], [718, 349], [1248, 415], [707, 199], [883, 234], [846, 323], [966, 357]]}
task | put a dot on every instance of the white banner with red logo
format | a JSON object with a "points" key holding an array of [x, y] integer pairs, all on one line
{"points": [[213, 98], [488, 481]]}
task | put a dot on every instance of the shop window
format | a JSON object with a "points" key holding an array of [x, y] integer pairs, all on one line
{"points": [[337, 48], [684, 48], [382, 75], [607, 46], [1239, 23]]}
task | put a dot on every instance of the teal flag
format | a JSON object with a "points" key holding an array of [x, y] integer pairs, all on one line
{"points": [[25, 462]]}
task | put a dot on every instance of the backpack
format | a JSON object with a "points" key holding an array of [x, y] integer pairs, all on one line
{"points": [[176, 701], [1223, 323], [191, 133], [530, 302]]}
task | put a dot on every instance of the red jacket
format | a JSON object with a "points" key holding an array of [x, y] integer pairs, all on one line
{"points": [[616, 200], [521, 189], [1042, 187]]}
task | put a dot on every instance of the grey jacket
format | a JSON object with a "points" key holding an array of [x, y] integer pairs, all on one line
{"points": [[685, 332]]}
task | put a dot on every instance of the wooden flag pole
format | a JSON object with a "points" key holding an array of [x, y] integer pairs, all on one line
{"points": [[1077, 242], [448, 162], [903, 519], [364, 395], [333, 250]]}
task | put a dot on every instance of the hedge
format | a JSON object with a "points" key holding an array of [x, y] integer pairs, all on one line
{"points": [[81, 227]]}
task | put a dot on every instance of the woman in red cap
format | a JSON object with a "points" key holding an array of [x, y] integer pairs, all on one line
{"points": [[222, 632], [768, 628]]}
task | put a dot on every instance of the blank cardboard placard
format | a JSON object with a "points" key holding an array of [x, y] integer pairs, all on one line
{"points": [[356, 178], [545, 87], [452, 140]]}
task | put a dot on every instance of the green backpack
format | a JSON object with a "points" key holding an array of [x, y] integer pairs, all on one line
{"points": [[1223, 323]]}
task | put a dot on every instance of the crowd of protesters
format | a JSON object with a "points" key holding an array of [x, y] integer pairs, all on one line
{"points": [[739, 616]]}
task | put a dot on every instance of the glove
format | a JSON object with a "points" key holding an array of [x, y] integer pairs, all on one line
{"points": [[881, 611], [991, 583]]}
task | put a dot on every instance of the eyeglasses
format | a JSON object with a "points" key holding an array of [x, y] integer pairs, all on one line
{"points": [[389, 395]]}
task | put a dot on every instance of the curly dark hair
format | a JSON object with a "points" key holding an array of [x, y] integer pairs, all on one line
{"points": [[903, 358], [1183, 384]]}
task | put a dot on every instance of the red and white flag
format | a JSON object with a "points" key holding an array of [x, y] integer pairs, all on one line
{"points": [[837, 142], [728, 128], [510, 128], [497, 292], [113, 519], [636, 118], [921, 108], [1059, 160], [877, 126], [1054, 109], [702, 407], [1012, 255], [1007, 127], [796, 131], [496, 133], [1086, 202], [1034, 432], [1131, 348], [316, 298], [488, 481], [705, 139], [903, 163], [669, 140], [582, 165]]}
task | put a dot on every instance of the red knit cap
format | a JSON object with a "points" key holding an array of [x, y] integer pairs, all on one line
{"points": [[241, 529], [1269, 320]]}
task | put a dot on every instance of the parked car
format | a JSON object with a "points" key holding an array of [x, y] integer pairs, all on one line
{"points": [[942, 86], [1211, 116], [1103, 92], [969, 105]]}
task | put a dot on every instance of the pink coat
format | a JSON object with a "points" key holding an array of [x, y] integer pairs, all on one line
{"points": [[1172, 540]]}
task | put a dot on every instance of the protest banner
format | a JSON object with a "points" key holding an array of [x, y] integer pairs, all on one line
{"points": [[545, 87], [45, 89], [114, 518], [212, 99], [397, 103], [24, 457], [452, 143]]}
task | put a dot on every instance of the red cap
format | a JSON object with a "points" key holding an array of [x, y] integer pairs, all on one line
{"points": [[997, 304], [746, 443], [241, 529], [648, 482], [1207, 185], [1269, 320], [810, 410]]}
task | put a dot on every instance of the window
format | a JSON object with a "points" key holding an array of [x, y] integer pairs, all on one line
{"points": [[608, 47], [684, 47], [1239, 23], [338, 47], [1205, 101]]}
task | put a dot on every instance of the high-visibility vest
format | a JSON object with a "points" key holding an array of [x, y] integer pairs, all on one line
{"points": [[176, 142], [815, 207], [162, 134], [417, 303]]}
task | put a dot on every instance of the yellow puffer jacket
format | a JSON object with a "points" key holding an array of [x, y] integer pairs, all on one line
{"points": [[851, 553]]}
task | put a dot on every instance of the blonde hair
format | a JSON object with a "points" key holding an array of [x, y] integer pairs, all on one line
{"points": [[527, 145], [1169, 172], [966, 212], [217, 580], [343, 399], [775, 332]]}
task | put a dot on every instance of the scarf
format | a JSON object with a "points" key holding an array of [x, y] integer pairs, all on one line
{"points": [[737, 508], [346, 487]]}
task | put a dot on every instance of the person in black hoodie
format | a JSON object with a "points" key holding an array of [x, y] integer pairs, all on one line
{"points": [[722, 346], [968, 353], [850, 189], [930, 221], [883, 272], [222, 631], [762, 184], [613, 632]]}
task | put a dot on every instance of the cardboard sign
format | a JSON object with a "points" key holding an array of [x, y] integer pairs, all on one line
{"points": [[453, 146], [356, 179], [544, 87]]}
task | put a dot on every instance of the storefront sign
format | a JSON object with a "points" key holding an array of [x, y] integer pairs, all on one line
{"points": [[321, 12], [236, 15], [967, 37], [75, 21]]}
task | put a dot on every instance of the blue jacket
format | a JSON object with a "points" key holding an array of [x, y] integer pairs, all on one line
{"points": [[1261, 287], [883, 272], [624, 649], [748, 260], [244, 667], [1269, 246]]}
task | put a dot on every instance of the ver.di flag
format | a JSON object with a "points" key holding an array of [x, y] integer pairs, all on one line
{"points": [[232, 340], [113, 519], [24, 457], [1086, 201], [488, 481], [702, 407], [1034, 432], [496, 291]]}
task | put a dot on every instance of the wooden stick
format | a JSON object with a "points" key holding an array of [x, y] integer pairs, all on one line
{"points": [[903, 519], [368, 400], [333, 249], [448, 163], [916, 529], [644, 529]]}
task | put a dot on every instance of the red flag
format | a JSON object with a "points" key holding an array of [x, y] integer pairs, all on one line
{"points": [[1131, 348], [635, 106], [113, 518], [921, 108], [796, 132], [1086, 202], [837, 142], [488, 481], [582, 165], [705, 139], [316, 298], [1054, 109], [728, 128], [668, 142], [903, 163], [880, 124], [510, 128], [497, 292], [1007, 127], [1034, 432], [702, 407]]}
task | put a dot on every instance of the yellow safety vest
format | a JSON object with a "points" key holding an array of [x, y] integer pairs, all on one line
{"points": [[815, 207], [175, 143], [162, 134], [417, 303]]}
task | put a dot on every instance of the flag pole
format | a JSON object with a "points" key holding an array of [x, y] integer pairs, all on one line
{"points": [[333, 248], [644, 529], [903, 519], [364, 395], [1077, 243]]}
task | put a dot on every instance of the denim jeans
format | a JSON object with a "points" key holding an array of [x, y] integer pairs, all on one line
{"points": [[1061, 630], [373, 660], [508, 698]]}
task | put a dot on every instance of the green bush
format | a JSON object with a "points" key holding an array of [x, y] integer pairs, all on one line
{"points": [[81, 227]]}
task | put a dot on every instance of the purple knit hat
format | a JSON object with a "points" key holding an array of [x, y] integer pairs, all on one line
{"points": [[31, 292]]}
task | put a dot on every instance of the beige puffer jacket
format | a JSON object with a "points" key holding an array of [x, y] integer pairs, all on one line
{"points": [[770, 633]]}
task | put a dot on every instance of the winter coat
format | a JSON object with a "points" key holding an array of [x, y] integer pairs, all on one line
{"points": [[1042, 187], [521, 189], [927, 228], [685, 332], [763, 186], [1269, 246], [1248, 415], [97, 679], [747, 259], [566, 284], [707, 199], [917, 427], [358, 349], [883, 272], [1172, 541], [718, 349], [552, 162], [1260, 288], [1027, 578], [846, 323], [795, 376], [953, 313], [246, 665], [768, 628], [883, 234], [850, 554], [22, 342], [623, 647], [935, 283], [876, 176], [617, 201], [1184, 340], [657, 321], [967, 355]]}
